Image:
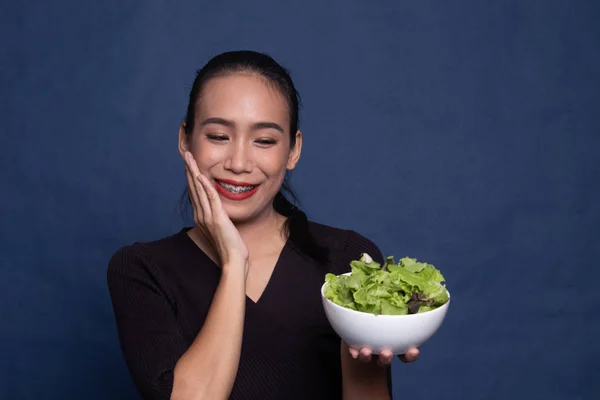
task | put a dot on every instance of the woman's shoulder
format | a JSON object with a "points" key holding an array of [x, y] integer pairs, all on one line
{"points": [[146, 254], [347, 244]]}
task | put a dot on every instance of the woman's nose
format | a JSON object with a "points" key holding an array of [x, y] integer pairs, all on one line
{"points": [[238, 160]]}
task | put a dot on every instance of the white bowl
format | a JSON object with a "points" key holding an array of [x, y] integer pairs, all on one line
{"points": [[397, 333]]}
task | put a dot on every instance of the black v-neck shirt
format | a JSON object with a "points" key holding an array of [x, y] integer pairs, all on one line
{"points": [[161, 293]]}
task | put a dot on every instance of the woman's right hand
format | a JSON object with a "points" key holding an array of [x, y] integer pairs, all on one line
{"points": [[211, 218]]}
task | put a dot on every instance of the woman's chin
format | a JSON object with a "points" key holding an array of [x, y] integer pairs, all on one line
{"points": [[240, 213]]}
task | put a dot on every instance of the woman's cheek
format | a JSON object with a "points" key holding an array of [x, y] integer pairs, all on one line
{"points": [[273, 163]]}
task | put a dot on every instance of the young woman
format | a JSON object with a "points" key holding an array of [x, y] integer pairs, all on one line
{"points": [[230, 308]]}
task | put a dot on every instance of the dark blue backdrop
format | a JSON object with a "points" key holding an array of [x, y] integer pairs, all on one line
{"points": [[462, 133]]}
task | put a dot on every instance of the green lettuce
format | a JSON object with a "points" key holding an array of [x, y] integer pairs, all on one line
{"points": [[406, 287]]}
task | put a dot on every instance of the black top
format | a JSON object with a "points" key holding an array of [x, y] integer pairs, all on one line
{"points": [[161, 293]]}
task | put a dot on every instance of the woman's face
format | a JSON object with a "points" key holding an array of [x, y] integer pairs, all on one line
{"points": [[241, 142]]}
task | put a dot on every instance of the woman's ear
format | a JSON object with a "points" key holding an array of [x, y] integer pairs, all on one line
{"points": [[183, 144], [295, 152]]}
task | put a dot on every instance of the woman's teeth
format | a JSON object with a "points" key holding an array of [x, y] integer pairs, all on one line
{"points": [[235, 189]]}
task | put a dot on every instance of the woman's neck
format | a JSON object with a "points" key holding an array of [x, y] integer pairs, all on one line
{"points": [[263, 234]]}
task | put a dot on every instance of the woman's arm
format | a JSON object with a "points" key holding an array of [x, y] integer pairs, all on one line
{"points": [[158, 357], [208, 368], [362, 381]]}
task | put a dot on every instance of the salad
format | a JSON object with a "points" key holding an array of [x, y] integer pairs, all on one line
{"points": [[408, 287]]}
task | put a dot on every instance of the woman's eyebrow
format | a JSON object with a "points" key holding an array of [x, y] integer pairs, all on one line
{"points": [[230, 124], [267, 125], [218, 121]]}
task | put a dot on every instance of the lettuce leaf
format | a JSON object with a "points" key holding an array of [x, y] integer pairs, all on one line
{"points": [[406, 287]]}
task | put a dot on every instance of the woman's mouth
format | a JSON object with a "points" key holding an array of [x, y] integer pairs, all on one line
{"points": [[235, 190]]}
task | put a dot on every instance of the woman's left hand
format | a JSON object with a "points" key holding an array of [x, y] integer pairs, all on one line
{"points": [[385, 357]]}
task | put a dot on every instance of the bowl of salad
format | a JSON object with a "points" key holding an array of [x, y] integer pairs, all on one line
{"points": [[392, 306]]}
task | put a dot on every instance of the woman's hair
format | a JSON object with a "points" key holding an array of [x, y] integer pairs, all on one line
{"points": [[274, 74]]}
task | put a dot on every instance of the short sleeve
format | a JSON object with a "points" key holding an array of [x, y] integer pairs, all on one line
{"points": [[148, 333]]}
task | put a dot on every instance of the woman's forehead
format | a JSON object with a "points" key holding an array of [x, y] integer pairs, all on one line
{"points": [[243, 94]]}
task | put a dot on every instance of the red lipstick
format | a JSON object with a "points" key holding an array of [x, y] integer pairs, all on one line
{"points": [[234, 196]]}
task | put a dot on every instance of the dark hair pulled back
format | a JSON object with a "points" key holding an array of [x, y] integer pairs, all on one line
{"points": [[263, 65]]}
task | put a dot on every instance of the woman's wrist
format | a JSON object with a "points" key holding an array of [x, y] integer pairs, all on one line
{"points": [[235, 268]]}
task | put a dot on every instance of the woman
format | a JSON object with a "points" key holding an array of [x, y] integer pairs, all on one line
{"points": [[230, 308]]}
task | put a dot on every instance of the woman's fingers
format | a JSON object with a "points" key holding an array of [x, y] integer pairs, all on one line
{"points": [[211, 194], [206, 190], [385, 357], [199, 188], [365, 355], [207, 205], [198, 213], [410, 356]]}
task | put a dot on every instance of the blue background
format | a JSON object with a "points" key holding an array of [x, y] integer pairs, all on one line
{"points": [[462, 133]]}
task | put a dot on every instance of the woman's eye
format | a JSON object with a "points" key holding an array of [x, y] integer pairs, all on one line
{"points": [[266, 142], [216, 137]]}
